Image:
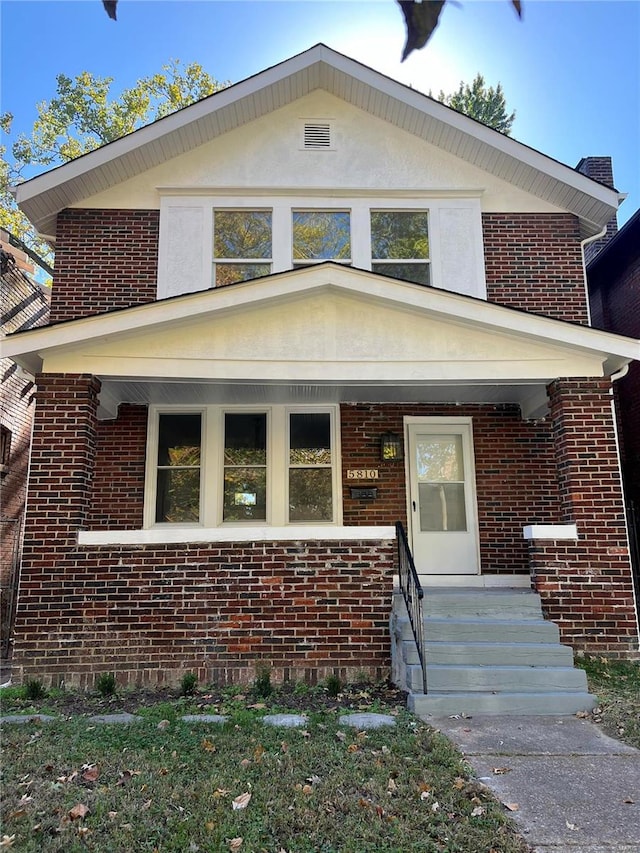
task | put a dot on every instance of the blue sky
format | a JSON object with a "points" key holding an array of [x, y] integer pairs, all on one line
{"points": [[570, 69]]}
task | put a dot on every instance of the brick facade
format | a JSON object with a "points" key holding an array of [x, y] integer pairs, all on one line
{"points": [[534, 262], [586, 586], [515, 474], [105, 260], [24, 306]]}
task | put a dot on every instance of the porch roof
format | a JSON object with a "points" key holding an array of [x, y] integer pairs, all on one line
{"points": [[323, 334]]}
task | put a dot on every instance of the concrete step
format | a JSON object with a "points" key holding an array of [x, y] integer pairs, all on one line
{"points": [[483, 630], [497, 679], [482, 604], [535, 704], [491, 654]]}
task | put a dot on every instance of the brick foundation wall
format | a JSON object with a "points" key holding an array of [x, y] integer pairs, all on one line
{"points": [[534, 262], [150, 614], [515, 474], [586, 586], [105, 259]]}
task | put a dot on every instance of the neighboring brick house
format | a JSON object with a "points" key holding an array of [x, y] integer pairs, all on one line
{"points": [[24, 305], [614, 291], [402, 335]]}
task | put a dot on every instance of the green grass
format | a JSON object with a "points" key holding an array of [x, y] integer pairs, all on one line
{"points": [[616, 683], [324, 788]]}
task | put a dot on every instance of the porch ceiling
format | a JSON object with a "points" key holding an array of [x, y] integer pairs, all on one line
{"points": [[531, 397]]}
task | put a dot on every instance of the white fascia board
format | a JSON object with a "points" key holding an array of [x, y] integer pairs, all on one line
{"points": [[616, 350]]}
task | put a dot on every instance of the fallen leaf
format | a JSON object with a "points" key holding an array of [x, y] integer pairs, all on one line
{"points": [[385, 750], [307, 789], [210, 825], [629, 801], [208, 745], [145, 806], [112, 815], [242, 801], [582, 714], [245, 763], [477, 811], [18, 813], [424, 795], [91, 773], [305, 733], [572, 826], [7, 840], [499, 771], [314, 780], [78, 811], [258, 706], [258, 752], [341, 736], [220, 792], [163, 724], [284, 746], [235, 843], [435, 807], [83, 830], [513, 807], [353, 747], [459, 783], [391, 786]]}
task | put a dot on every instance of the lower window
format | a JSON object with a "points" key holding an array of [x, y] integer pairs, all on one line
{"points": [[217, 465]]}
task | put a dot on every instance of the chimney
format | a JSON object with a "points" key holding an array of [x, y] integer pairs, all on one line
{"points": [[599, 169]]}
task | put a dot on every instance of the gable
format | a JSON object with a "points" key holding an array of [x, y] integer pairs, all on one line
{"points": [[319, 68]]}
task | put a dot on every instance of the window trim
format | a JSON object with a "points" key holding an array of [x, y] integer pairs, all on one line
{"points": [[185, 247], [212, 466]]}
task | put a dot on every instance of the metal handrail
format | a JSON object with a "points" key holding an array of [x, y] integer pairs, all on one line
{"points": [[413, 594]]}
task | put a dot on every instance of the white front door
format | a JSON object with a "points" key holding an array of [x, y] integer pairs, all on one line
{"points": [[443, 518]]}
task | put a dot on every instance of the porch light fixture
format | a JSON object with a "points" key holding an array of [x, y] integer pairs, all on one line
{"points": [[391, 447]]}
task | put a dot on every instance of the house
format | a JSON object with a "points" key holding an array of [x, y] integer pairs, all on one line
{"points": [[310, 306], [24, 305], [613, 277]]}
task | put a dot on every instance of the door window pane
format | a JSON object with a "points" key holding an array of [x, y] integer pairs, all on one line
{"points": [[400, 244], [178, 468], [321, 236], [442, 506], [439, 458], [245, 467], [241, 238]]}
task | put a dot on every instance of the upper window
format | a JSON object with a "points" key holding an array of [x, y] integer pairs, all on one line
{"points": [[216, 466], [241, 245], [321, 235], [400, 244]]}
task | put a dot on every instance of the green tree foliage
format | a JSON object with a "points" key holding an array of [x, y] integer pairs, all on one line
{"points": [[483, 103], [85, 114]]}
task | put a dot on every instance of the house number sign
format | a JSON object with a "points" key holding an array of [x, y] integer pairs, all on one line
{"points": [[362, 474]]}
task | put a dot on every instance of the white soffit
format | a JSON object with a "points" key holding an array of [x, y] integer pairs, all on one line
{"points": [[291, 293], [43, 197]]}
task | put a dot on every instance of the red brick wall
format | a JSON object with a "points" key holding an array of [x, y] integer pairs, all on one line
{"points": [[24, 306], [534, 262], [117, 492], [150, 614], [586, 585], [105, 259], [515, 474]]}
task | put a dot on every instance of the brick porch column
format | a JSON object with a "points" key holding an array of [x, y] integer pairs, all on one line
{"points": [[62, 454], [586, 585]]}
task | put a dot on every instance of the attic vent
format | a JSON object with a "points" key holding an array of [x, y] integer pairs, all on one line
{"points": [[317, 135]]}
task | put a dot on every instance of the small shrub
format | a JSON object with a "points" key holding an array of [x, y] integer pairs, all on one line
{"points": [[262, 684], [34, 689], [106, 684], [333, 685], [188, 684]]}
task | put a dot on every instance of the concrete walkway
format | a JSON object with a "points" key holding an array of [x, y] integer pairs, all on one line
{"points": [[572, 789]]}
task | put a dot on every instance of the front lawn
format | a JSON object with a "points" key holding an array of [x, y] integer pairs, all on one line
{"points": [[616, 683], [165, 785]]}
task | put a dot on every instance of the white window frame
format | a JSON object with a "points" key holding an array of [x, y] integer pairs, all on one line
{"points": [[212, 466], [191, 238]]}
